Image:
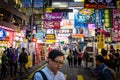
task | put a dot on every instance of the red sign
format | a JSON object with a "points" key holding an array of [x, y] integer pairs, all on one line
{"points": [[51, 24], [100, 4], [34, 40]]}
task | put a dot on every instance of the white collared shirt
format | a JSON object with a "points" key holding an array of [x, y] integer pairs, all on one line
{"points": [[49, 75]]}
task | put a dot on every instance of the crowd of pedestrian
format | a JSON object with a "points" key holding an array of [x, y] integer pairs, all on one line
{"points": [[11, 60], [74, 57]]}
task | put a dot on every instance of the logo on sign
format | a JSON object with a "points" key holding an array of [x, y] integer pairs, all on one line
{"points": [[2, 34]]}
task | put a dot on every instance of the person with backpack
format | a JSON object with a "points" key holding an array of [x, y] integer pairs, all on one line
{"points": [[70, 58], [103, 71], [23, 59], [51, 71]]}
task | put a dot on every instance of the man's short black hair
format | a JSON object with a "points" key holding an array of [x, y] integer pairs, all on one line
{"points": [[55, 53], [100, 58], [23, 49]]}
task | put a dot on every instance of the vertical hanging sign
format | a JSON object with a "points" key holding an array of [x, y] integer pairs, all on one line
{"points": [[106, 17], [98, 20], [116, 24]]}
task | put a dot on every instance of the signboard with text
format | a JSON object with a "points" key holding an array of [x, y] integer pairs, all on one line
{"points": [[52, 16], [26, 3], [51, 24], [38, 3], [100, 4], [116, 24]]}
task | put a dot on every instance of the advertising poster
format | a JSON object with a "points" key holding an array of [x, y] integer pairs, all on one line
{"points": [[83, 17], [52, 24], [67, 24]]}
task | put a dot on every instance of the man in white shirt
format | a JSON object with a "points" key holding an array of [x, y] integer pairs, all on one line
{"points": [[55, 61]]}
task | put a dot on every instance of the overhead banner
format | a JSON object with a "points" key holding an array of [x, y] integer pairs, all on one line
{"points": [[38, 3], [51, 24], [26, 3], [100, 4], [52, 16], [116, 24]]}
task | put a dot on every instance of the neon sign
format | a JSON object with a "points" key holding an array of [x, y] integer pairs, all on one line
{"points": [[100, 4]]}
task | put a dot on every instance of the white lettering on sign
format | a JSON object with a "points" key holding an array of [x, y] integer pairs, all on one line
{"points": [[50, 17], [1, 34]]}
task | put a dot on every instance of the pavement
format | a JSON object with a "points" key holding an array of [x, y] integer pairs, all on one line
{"points": [[21, 76]]}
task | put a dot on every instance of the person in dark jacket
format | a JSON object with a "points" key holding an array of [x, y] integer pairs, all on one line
{"points": [[4, 65], [70, 58], [99, 69], [22, 60]]}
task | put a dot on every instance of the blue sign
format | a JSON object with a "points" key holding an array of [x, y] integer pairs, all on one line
{"points": [[2, 34], [82, 20], [38, 3], [98, 20], [26, 3]]}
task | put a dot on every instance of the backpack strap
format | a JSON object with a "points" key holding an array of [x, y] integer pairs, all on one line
{"points": [[43, 75]]}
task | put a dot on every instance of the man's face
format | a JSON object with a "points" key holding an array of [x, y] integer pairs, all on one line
{"points": [[57, 63]]}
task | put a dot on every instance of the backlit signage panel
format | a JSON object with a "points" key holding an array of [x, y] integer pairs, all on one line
{"points": [[99, 15], [106, 17], [38, 3], [52, 16], [100, 4], [51, 24], [116, 24], [50, 36], [2, 34], [67, 24], [26, 3], [83, 17]]}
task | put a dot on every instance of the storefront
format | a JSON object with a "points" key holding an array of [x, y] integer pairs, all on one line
{"points": [[6, 38]]}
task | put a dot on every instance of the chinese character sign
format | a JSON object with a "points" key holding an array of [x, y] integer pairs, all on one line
{"points": [[116, 24], [100, 4]]}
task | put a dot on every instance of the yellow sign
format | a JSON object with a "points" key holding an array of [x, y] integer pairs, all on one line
{"points": [[100, 41], [49, 10], [117, 46], [50, 36], [50, 41]]}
